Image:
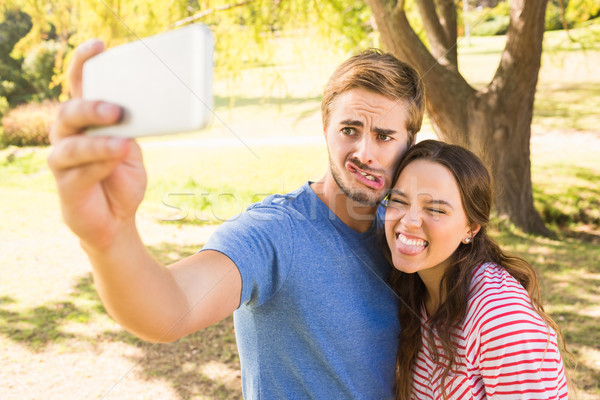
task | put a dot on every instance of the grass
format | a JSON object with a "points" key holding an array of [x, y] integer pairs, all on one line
{"points": [[61, 344], [215, 188]]}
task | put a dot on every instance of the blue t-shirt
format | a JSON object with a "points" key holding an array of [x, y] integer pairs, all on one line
{"points": [[317, 319]]}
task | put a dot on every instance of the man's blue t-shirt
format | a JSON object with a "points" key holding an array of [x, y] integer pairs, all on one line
{"points": [[317, 319]]}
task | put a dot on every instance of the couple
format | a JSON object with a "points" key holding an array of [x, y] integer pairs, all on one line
{"points": [[320, 311]]}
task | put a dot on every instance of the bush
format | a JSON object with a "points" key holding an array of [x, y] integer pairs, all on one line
{"points": [[579, 11], [14, 26], [4, 106], [29, 124], [39, 70], [495, 21], [486, 22], [553, 18], [495, 26]]}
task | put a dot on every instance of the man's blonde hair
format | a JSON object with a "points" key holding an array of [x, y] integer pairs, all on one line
{"points": [[381, 73]]}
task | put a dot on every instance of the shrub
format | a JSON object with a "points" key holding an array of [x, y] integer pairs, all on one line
{"points": [[490, 22], [553, 18], [4, 106], [29, 124], [14, 26], [39, 69], [492, 27]]}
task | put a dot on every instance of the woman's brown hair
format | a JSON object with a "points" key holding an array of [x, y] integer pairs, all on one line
{"points": [[475, 187]]}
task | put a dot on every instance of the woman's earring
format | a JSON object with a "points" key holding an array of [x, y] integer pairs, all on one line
{"points": [[467, 240]]}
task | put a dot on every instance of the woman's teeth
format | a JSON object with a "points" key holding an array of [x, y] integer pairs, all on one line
{"points": [[410, 242]]}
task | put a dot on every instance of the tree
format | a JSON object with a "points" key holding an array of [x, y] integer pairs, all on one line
{"points": [[494, 122], [13, 87]]}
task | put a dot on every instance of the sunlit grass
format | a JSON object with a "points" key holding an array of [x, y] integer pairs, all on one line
{"points": [[208, 185]]}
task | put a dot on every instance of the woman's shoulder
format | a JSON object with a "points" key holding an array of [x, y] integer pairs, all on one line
{"points": [[497, 299], [489, 280]]}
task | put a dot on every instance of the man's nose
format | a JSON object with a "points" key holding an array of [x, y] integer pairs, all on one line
{"points": [[364, 150]]}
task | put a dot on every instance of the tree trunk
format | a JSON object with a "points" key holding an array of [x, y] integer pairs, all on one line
{"points": [[495, 122]]}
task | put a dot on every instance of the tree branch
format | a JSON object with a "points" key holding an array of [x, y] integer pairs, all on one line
{"points": [[399, 7], [393, 24], [401, 40], [563, 19], [208, 11], [447, 11], [521, 59], [442, 47]]}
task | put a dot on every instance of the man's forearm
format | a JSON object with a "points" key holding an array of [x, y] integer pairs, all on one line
{"points": [[137, 291]]}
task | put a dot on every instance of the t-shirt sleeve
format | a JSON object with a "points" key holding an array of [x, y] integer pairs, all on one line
{"points": [[260, 243], [515, 351]]}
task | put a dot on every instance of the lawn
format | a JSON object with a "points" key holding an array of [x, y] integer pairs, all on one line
{"points": [[57, 341]]}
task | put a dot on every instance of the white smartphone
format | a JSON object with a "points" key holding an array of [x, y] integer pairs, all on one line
{"points": [[163, 83]]}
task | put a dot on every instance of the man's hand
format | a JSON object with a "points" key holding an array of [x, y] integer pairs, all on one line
{"points": [[101, 181]]}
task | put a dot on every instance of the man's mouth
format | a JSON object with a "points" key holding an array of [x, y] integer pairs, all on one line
{"points": [[368, 179]]}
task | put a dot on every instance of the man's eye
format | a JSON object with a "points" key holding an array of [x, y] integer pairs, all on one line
{"points": [[384, 138], [348, 131]]}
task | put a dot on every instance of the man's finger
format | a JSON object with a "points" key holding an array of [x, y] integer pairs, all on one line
{"points": [[77, 114], [82, 53], [77, 151]]}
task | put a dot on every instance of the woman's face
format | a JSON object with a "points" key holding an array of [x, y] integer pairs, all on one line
{"points": [[425, 220]]}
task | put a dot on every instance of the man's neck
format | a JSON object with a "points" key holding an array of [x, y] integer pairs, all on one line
{"points": [[356, 215]]}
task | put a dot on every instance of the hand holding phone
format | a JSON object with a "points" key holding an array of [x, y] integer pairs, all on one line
{"points": [[163, 83]]}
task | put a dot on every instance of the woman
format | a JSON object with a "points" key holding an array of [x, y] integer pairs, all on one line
{"points": [[473, 323]]}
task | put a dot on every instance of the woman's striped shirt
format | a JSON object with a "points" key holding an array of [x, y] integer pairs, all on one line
{"points": [[505, 349]]}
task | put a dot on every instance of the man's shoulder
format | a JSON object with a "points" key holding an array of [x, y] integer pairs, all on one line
{"points": [[287, 200], [301, 204]]}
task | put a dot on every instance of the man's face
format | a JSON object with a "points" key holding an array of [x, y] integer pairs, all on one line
{"points": [[366, 139]]}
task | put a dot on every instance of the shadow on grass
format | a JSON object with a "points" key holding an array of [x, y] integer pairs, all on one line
{"points": [[569, 277], [205, 363], [567, 106], [580, 330], [575, 203], [39, 326]]}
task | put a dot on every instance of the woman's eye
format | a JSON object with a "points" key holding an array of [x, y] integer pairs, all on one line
{"points": [[398, 202], [436, 211]]}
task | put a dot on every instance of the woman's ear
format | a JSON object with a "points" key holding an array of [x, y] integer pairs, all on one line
{"points": [[470, 234], [475, 229]]}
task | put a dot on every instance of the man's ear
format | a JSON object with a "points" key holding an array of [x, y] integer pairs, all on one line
{"points": [[412, 142]]}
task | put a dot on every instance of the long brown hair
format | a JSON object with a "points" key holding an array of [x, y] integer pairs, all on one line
{"points": [[475, 187]]}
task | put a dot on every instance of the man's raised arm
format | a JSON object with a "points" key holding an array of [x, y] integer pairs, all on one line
{"points": [[101, 182]]}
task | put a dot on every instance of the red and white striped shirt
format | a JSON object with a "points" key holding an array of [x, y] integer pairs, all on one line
{"points": [[503, 347]]}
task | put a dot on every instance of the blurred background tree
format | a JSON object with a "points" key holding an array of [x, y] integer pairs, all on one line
{"points": [[37, 39], [13, 86]]}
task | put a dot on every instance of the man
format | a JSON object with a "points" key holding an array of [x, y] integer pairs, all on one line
{"points": [[303, 271]]}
